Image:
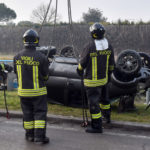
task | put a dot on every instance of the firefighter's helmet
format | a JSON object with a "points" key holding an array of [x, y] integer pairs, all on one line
{"points": [[31, 38], [97, 31]]}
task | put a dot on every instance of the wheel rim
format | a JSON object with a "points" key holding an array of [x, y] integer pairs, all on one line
{"points": [[67, 52], [128, 63]]}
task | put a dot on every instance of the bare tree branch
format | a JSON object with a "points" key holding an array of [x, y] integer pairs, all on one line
{"points": [[39, 13]]}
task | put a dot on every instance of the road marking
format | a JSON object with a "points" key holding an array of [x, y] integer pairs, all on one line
{"points": [[128, 135]]}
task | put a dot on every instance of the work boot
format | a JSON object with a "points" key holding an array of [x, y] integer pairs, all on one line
{"points": [[106, 116], [96, 126], [44, 140], [29, 136], [40, 136], [106, 119]]}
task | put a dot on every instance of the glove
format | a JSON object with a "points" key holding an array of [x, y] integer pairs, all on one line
{"points": [[79, 72], [45, 78]]}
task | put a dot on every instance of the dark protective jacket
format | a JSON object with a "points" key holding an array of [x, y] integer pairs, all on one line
{"points": [[31, 68], [97, 64]]}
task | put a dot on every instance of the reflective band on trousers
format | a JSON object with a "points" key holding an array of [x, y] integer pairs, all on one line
{"points": [[28, 124], [96, 116], [39, 124], [105, 106]]}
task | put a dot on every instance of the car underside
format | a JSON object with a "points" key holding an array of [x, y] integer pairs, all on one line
{"points": [[131, 74]]}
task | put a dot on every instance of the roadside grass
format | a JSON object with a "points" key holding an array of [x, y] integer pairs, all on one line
{"points": [[140, 115]]}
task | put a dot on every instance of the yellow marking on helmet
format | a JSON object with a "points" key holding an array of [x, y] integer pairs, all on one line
{"points": [[94, 35], [37, 41]]}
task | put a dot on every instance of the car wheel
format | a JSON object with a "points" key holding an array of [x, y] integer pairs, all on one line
{"points": [[145, 58], [128, 63], [123, 83], [67, 51]]}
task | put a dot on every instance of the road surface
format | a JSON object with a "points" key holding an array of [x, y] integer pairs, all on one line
{"points": [[72, 137]]}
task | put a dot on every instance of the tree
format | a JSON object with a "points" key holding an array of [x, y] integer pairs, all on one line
{"points": [[25, 23], [6, 14], [39, 13], [93, 15], [10, 24]]}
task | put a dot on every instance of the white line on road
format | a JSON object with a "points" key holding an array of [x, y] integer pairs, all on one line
{"points": [[128, 135]]}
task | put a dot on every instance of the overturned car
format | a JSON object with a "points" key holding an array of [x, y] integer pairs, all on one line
{"points": [[131, 74]]}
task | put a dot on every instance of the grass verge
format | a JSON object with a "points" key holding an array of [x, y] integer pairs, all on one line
{"points": [[140, 115]]}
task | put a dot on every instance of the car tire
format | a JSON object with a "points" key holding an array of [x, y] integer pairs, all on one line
{"points": [[128, 63], [67, 51], [123, 84]]}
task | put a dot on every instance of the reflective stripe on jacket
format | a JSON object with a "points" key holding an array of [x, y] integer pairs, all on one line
{"points": [[97, 65], [31, 68]]}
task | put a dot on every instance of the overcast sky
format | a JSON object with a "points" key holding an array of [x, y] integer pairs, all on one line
{"points": [[133, 10]]}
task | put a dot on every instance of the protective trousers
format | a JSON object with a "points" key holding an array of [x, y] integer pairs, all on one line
{"points": [[105, 104], [93, 95], [34, 115], [98, 98]]}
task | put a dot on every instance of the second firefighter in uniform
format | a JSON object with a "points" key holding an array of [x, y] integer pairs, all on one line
{"points": [[97, 59]]}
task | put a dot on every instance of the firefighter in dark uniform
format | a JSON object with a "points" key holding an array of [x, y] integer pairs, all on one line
{"points": [[97, 59], [3, 68], [31, 68], [6, 67]]}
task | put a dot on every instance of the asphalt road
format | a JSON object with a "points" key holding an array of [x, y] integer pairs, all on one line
{"points": [[72, 137]]}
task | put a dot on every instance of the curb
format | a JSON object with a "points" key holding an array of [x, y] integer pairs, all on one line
{"points": [[58, 119]]}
